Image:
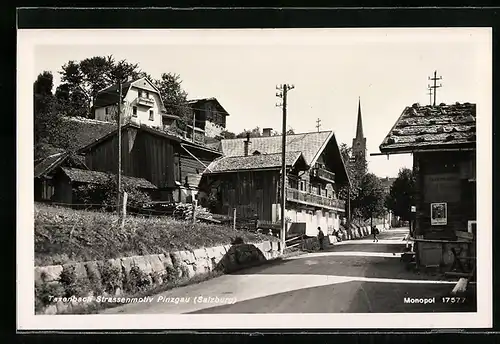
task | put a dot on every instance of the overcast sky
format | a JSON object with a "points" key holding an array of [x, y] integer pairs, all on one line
{"points": [[330, 69]]}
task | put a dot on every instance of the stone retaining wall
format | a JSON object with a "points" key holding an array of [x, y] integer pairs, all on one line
{"points": [[156, 268]]}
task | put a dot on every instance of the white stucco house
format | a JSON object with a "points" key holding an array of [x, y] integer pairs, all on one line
{"points": [[142, 104]]}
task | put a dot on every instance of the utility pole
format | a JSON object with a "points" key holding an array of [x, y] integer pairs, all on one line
{"points": [[318, 124], [435, 87], [119, 174], [430, 94], [194, 122], [284, 88]]}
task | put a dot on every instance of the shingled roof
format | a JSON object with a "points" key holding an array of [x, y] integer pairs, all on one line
{"points": [[310, 144], [95, 177], [51, 162], [432, 127], [255, 162], [196, 102], [84, 131]]}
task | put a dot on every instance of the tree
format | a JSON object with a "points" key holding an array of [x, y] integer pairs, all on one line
{"points": [[402, 194], [371, 198], [45, 118], [83, 80], [255, 132], [356, 170], [174, 96], [227, 135]]}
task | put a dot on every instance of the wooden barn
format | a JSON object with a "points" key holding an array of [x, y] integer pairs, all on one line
{"points": [[442, 140], [247, 179], [174, 165]]}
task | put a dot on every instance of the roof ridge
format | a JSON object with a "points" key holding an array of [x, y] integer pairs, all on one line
{"points": [[294, 134]]}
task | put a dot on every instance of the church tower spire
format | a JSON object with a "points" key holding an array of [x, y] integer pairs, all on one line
{"points": [[359, 142], [359, 127]]}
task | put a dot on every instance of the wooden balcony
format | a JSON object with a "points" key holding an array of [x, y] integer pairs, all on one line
{"points": [[294, 195], [323, 174], [149, 102]]}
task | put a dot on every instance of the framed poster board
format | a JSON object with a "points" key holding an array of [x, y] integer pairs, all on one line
{"points": [[439, 214]]}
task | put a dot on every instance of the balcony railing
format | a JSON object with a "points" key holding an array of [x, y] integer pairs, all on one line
{"points": [[145, 101], [303, 197], [323, 174]]}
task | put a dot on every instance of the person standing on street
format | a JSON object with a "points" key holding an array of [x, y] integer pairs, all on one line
{"points": [[375, 232], [321, 238]]}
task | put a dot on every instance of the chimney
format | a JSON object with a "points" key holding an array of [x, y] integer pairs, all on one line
{"points": [[266, 132], [247, 143]]}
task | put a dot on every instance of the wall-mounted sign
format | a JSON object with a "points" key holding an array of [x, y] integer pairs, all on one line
{"points": [[442, 187], [439, 214]]}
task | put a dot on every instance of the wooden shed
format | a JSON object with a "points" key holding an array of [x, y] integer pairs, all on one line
{"points": [[66, 180], [442, 140], [46, 168], [169, 162]]}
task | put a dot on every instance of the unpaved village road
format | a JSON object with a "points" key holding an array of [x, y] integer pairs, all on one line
{"points": [[356, 276]]}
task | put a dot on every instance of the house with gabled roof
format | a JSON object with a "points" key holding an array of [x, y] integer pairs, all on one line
{"points": [[142, 104], [210, 117], [442, 141], [247, 178]]}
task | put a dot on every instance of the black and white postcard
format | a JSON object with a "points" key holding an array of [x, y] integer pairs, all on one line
{"points": [[254, 178]]}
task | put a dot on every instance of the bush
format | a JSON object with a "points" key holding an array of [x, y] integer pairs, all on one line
{"points": [[95, 282], [172, 273], [44, 292], [105, 194], [238, 241], [73, 286], [111, 277], [138, 280]]}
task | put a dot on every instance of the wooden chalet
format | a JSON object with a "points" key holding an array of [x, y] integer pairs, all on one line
{"points": [[442, 140], [247, 179], [173, 164]]}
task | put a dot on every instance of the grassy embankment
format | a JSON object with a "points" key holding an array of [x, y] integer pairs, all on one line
{"points": [[64, 235]]}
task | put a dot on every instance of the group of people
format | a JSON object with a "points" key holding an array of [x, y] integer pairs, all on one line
{"points": [[321, 236]]}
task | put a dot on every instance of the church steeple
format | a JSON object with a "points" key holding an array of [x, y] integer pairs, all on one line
{"points": [[359, 142], [359, 127]]}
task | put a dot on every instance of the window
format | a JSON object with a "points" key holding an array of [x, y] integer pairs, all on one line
{"points": [[140, 93], [107, 110], [134, 111], [151, 115], [147, 94]]}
